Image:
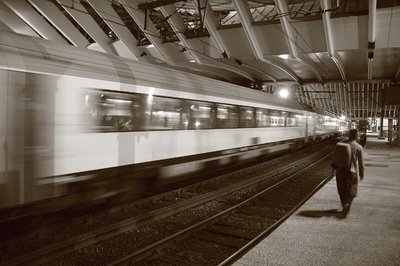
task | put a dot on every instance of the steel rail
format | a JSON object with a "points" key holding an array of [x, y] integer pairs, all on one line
{"points": [[234, 257], [146, 251], [59, 249]]}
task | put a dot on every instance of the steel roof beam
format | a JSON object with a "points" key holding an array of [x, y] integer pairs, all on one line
{"points": [[243, 10], [29, 15], [14, 22], [326, 19], [78, 12], [155, 4], [246, 19], [282, 68], [177, 24], [112, 19], [211, 23], [59, 21], [312, 68], [259, 71], [206, 60], [148, 28], [283, 11]]}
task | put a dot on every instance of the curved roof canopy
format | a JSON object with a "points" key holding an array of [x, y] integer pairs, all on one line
{"points": [[333, 58]]}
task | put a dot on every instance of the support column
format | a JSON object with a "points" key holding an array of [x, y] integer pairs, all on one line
{"points": [[397, 139], [381, 136], [390, 129]]}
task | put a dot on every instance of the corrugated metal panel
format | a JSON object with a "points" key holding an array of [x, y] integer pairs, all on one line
{"points": [[356, 100]]}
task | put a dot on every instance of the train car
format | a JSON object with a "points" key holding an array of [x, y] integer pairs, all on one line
{"points": [[81, 127]]}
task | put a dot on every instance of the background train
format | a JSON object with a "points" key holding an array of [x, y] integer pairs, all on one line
{"points": [[81, 127]]}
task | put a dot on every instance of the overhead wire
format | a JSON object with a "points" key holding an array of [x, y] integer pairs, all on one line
{"points": [[297, 45], [188, 48], [284, 16], [110, 16], [179, 30]]}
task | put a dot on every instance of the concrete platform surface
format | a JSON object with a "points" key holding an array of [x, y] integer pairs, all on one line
{"points": [[317, 234]]}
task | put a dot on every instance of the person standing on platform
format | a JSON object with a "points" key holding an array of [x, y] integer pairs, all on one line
{"points": [[363, 140], [348, 162]]}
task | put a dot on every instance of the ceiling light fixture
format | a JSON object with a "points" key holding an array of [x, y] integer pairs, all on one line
{"points": [[284, 93]]}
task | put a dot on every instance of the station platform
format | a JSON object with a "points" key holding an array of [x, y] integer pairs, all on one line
{"points": [[317, 233]]}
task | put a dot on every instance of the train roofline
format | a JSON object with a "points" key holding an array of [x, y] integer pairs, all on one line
{"points": [[31, 54]]}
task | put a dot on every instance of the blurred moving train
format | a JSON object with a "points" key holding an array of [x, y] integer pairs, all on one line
{"points": [[82, 126]]}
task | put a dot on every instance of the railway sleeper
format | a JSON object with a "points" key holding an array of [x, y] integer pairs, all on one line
{"points": [[250, 225], [231, 231], [219, 239]]}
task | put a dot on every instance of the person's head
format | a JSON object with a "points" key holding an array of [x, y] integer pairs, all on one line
{"points": [[353, 134]]}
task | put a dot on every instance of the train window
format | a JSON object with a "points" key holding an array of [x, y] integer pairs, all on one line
{"points": [[114, 111], [197, 115], [227, 116], [300, 120], [262, 117], [162, 113], [108, 111], [246, 117], [292, 120], [279, 118], [270, 118]]}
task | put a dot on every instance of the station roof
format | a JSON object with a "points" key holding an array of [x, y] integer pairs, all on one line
{"points": [[333, 56]]}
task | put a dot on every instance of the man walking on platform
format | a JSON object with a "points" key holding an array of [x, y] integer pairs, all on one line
{"points": [[349, 165]]}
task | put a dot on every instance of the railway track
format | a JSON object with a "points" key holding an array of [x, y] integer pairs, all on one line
{"points": [[224, 237], [138, 233]]}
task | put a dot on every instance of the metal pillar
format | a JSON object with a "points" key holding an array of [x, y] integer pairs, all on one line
{"points": [[381, 136], [397, 139]]}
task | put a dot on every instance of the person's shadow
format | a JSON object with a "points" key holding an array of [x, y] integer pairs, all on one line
{"points": [[323, 213]]}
